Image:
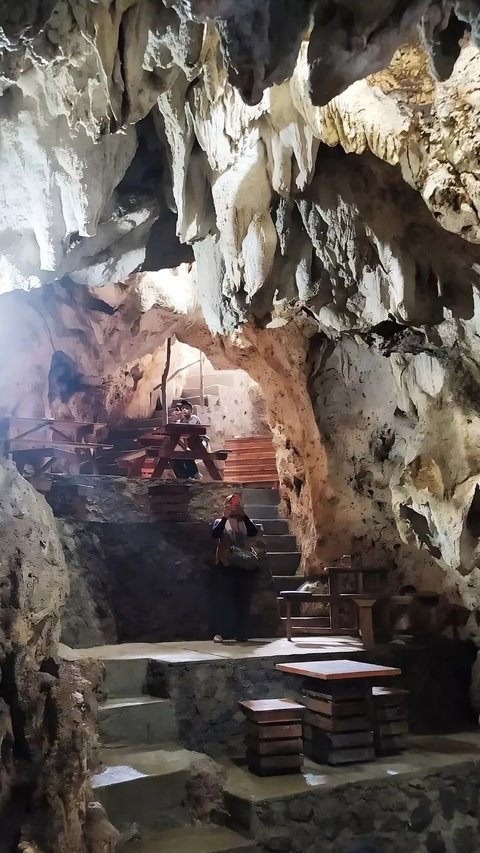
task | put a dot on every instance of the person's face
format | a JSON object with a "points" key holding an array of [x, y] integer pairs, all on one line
{"points": [[236, 506], [186, 412]]}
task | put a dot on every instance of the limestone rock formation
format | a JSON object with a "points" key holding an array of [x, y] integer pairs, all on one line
{"points": [[321, 158], [46, 708]]}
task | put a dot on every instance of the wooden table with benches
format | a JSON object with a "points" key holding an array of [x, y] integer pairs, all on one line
{"points": [[39, 441], [177, 441]]}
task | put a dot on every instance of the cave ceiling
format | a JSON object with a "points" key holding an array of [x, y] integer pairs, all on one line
{"points": [[141, 133], [317, 159]]}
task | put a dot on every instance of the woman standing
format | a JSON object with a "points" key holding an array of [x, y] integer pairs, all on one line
{"points": [[236, 569]]}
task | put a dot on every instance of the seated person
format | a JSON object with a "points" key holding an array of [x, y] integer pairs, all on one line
{"points": [[185, 469]]}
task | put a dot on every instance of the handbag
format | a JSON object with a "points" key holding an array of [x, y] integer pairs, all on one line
{"points": [[241, 558]]}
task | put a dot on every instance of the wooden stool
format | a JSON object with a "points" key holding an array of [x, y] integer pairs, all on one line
{"points": [[390, 720], [273, 736]]}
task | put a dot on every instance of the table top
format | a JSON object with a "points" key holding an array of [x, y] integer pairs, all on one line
{"points": [[351, 570], [184, 428], [334, 670], [265, 705]]}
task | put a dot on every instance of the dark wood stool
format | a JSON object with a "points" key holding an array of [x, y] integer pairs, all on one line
{"points": [[273, 736], [390, 720]]}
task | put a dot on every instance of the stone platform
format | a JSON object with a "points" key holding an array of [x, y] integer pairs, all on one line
{"points": [[424, 801], [204, 681]]}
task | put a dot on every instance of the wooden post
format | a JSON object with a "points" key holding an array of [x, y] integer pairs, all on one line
{"points": [[202, 384], [164, 382]]}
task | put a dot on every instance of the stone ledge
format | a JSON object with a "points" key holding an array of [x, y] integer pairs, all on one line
{"points": [[424, 800]]}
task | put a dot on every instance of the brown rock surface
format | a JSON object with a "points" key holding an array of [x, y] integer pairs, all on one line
{"points": [[47, 709]]}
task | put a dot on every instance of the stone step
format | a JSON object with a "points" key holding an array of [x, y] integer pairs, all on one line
{"points": [[198, 839], [198, 402], [271, 526], [125, 677], [280, 543], [261, 511], [284, 563], [138, 720], [194, 391], [220, 377], [260, 496], [145, 787], [287, 582]]}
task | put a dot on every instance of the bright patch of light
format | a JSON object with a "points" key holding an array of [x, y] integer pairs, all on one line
{"points": [[172, 288]]}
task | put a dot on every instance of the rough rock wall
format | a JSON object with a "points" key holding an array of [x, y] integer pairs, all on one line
{"points": [[46, 708], [114, 345]]}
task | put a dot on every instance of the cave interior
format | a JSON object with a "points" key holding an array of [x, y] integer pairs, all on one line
{"points": [[269, 209]]}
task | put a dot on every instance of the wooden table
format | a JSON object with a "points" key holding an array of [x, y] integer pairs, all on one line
{"points": [[182, 442], [339, 711]]}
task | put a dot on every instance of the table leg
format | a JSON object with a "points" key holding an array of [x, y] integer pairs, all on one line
{"points": [[199, 451], [334, 588], [289, 621], [164, 459], [365, 617]]}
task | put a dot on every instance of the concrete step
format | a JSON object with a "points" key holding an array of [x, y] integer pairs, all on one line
{"points": [[287, 582], [125, 677], [271, 526], [284, 564], [194, 390], [280, 543], [220, 377], [145, 787], [198, 402], [198, 839], [261, 511], [260, 496], [139, 720]]}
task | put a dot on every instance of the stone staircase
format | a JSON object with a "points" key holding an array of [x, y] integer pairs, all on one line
{"points": [[143, 781], [261, 505]]}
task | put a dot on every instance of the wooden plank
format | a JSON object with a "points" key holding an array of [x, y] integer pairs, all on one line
{"points": [[337, 757], [391, 745], [384, 696], [389, 729], [390, 714], [338, 691], [273, 763], [338, 669], [344, 724], [336, 709], [273, 732], [292, 746], [279, 709], [327, 741]]}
